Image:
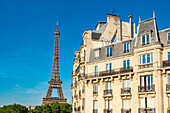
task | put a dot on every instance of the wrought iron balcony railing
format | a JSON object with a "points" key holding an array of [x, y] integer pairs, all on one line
{"points": [[107, 92], [125, 110], [95, 110], [146, 110], [95, 92], [166, 63], [126, 90], [75, 96], [109, 72], [149, 88], [107, 110], [167, 87]]}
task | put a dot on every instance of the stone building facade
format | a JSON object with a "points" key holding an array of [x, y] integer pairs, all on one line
{"points": [[120, 70]]}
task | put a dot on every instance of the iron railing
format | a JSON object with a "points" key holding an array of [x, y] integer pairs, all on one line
{"points": [[146, 110], [145, 66], [109, 72], [95, 92], [166, 63], [125, 110], [107, 92], [149, 88], [107, 110], [95, 110], [167, 87], [126, 90]]}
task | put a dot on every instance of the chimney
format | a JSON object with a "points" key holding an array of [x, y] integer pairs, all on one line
{"points": [[153, 14], [130, 21], [139, 18]]}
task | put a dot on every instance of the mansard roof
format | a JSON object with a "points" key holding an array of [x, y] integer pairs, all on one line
{"points": [[148, 26]]}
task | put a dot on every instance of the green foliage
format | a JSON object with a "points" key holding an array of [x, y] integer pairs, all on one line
{"points": [[15, 108], [52, 108]]}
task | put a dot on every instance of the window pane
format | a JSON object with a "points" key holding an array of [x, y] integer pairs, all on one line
{"points": [[144, 59], [168, 36], [128, 63], [143, 40], [128, 46], [106, 67], [95, 104], [168, 55], [110, 51], [110, 104], [110, 67], [107, 52], [124, 47], [124, 63], [148, 58], [147, 39], [107, 106], [140, 59], [150, 102], [169, 79], [142, 103], [151, 57], [96, 71]]}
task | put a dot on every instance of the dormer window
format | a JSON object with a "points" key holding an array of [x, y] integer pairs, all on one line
{"points": [[96, 53], [169, 36], [109, 51], [145, 39], [126, 47]]}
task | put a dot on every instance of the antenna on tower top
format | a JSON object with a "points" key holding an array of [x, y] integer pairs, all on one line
{"points": [[57, 24]]}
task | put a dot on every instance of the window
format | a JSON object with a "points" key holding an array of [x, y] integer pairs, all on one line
{"points": [[126, 63], [146, 83], [168, 101], [95, 88], [126, 47], [168, 55], [96, 71], [109, 67], [108, 85], [108, 104], [145, 39], [168, 36], [148, 58], [126, 83], [95, 104], [126, 104], [96, 53], [168, 79], [109, 51], [114, 39], [147, 102]]}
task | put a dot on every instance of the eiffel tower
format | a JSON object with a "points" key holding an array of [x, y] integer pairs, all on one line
{"points": [[55, 81]]}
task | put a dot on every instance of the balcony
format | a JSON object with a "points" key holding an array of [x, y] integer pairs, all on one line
{"points": [[107, 92], [81, 76], [75, 96], [107, 111], [167, 87], [150, 88], [126, 91], [95, 92], [166, 63], [125, 110], [95, 110], [148, 65], [109, 72], [146, 110]]}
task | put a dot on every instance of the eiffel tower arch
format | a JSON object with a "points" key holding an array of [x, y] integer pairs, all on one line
{"points": [[55, 81]]}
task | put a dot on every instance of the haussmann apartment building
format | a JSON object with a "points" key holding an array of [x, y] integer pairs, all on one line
{"points": [[121, 68]]}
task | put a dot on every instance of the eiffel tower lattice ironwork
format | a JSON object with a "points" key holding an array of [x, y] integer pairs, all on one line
{"points": [[55, 81]]}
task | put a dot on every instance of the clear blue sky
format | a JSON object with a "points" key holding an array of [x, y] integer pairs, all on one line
{"points": [[27, 39]]}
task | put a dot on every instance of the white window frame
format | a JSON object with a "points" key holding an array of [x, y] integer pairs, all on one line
{"points": [[96, 53], [141, 58], [146, 39]]}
